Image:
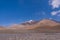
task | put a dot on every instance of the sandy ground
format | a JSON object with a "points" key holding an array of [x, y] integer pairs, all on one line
{"points": [[30, 36]]}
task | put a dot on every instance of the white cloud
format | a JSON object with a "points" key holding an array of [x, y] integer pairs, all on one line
{"points": [[55, 13], [54, 3]]}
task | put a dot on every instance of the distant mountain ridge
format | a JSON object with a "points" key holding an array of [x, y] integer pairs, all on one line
{"points": [[41, 26], [32, 24]]}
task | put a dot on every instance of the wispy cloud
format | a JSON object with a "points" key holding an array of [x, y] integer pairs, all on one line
{"points": [[54, 3], [55, 13], [50, 18], [59, 15]]}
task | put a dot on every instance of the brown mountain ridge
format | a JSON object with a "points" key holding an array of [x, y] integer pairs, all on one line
{"points": [[45, 25]]}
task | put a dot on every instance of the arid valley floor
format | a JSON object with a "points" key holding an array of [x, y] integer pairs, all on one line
{"points": [[30, 36]]}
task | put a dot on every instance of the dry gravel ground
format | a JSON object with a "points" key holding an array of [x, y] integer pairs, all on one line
{"points": [[30, 36]]}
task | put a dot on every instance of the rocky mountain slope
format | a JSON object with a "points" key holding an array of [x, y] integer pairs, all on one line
{"points": [[45, 25]]}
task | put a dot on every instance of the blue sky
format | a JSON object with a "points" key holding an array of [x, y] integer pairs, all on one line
{"points": [[17, 11]]}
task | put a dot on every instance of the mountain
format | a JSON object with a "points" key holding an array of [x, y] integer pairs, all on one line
{"points": [[24, 25], [30, 22], [48, 22], [45, 25]]}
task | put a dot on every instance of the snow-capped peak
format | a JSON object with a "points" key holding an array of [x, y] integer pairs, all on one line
{"points": [[30, 21]]}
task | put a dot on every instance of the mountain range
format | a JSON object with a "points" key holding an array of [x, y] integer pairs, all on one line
{"points": [[44, 25]]}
